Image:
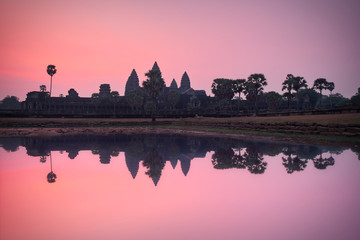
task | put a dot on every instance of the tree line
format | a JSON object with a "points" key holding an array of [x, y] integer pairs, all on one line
{"points": [[295, 92]]}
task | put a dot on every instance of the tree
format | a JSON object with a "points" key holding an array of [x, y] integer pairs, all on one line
{"points": [[273, 100], [154, 164], [239, 87], [330, 86], [51, 71], [355, 100], [10, 102], [308, 98], [323, 163], [254, 86], [292, 162], [320, 84], [254, 160], [223, 88], [298, 83], [288, 85], [42, 88], [225, 158], [336, 100], [51, 177], [153, 86]]}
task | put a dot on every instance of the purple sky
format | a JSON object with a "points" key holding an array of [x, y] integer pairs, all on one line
{"points": [[94, 42]]}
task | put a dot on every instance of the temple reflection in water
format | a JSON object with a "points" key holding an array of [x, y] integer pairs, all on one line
{"points": [[155, 151]]}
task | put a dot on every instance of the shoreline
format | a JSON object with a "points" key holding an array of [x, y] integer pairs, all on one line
{"points": [[340, 129], [176, 130]]}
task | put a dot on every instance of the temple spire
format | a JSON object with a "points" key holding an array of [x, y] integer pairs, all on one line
{"points": [[155, 67], [185, 82], [132, 82], [173, 84]]}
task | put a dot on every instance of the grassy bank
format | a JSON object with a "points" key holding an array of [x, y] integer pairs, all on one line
{"points": [[331, 128], [341, 119]]}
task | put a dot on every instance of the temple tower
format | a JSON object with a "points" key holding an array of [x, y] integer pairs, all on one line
{"points": [[185, 82], [173, 84], [132, 82]]}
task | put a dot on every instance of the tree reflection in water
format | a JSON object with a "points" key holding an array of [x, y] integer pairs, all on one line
{"points": [[292, 162], [51, 177], [252, 159], [226, 158], [154, 150], [154, 164], [323, 163]]}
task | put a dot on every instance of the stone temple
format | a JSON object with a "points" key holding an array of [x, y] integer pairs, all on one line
{"points": [[184, 89]]}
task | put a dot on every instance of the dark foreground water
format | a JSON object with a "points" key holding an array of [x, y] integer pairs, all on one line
{"points": [[167, 187]]}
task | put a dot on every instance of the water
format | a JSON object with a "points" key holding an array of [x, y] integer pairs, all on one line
{"points": [[168, 187]]}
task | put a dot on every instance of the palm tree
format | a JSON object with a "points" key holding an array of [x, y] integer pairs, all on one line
{"points": [[153, 86], [51, 177], [239, 87], [330, 87], [288, 85], [51, 71], [299, 82], [42, 88], [254, 86], [320, 84]]}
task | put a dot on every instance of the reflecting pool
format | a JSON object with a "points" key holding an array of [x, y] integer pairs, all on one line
{"points": [[176, 187]]}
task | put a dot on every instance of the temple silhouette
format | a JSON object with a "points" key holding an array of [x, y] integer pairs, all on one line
{"points": [[173, 100]]}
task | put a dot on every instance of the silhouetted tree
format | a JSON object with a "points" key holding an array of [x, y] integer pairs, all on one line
{"points": [[225, 158], [42, 88], [51, 71], [330, 86], [155, 164], [323, 163], [336, 100], [308, 98], [239, 87], [298, 83], [293, 163], [43, 159], [355, 100], [10, 102], [254, 160], [288, 86], [320, 84], [51, 177], [273, 100], [223, 89], [254, 86], [153, 86]]}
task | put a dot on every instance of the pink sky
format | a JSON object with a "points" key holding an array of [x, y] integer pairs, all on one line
{"points": [[95, 42]]}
